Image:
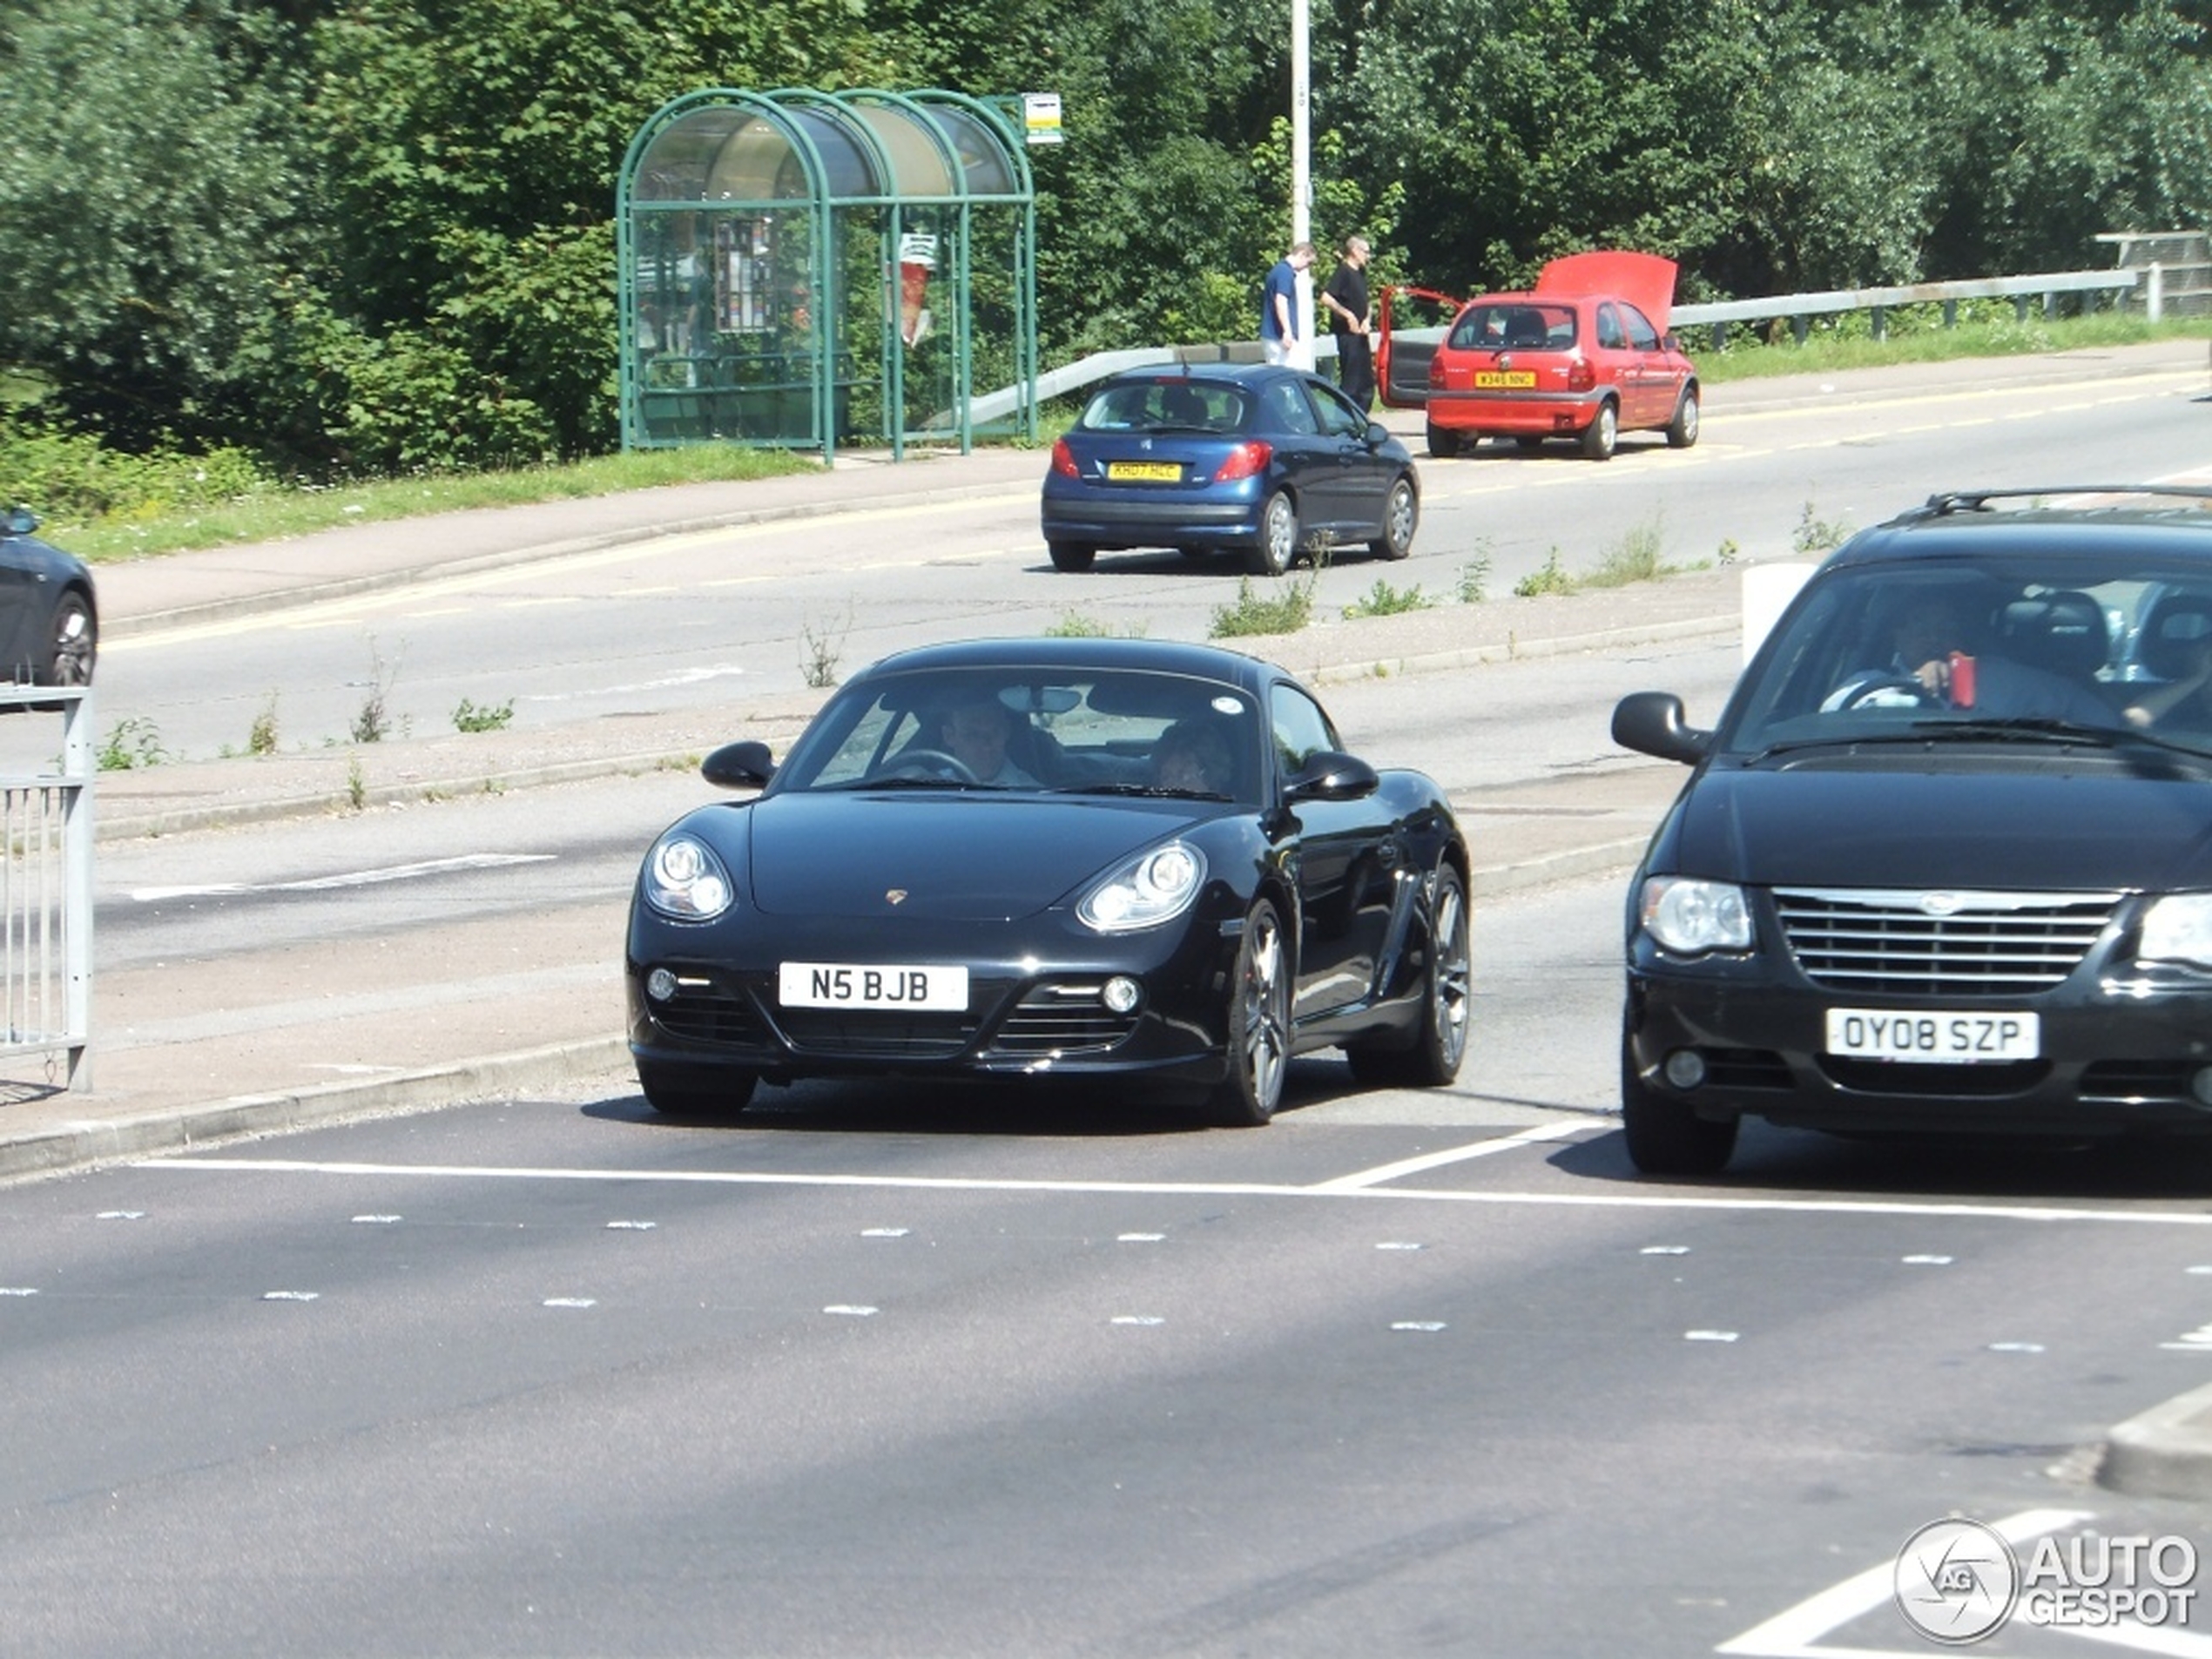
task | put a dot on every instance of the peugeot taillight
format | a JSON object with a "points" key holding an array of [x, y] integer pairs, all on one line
{"points": [[1246, 460], [1580, 375], [1063, 459]]}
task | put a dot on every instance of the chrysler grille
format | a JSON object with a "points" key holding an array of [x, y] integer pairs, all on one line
{"points": [[1913, 944]]}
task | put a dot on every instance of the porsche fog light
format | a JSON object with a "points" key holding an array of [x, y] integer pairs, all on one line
{"points": [[2179, 929], [660, 985], [2200, 1085], [1156, 885], [1121, 995], [1692, 917], [684, 879]]}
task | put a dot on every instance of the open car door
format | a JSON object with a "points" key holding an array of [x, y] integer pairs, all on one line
{"points": [[1401, 363]]}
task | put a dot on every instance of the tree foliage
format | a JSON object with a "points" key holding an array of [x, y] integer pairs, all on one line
{"points": [[375, 235]]}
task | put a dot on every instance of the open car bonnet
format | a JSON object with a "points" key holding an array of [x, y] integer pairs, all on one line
{"points": [[1645, 281]]}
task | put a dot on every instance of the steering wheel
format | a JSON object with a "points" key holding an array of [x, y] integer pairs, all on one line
{"points": [[1900, 689], [922, 763]]}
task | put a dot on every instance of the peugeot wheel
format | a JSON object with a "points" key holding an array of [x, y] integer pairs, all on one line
{"points": [[1075, 556], [1278, 537], [1400, 515]]}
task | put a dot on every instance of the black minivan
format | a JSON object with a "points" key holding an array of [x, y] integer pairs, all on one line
{"points": [[1945, 864]]}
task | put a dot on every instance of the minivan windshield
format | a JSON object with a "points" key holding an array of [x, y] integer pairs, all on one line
{"points": [[1939, 648]]}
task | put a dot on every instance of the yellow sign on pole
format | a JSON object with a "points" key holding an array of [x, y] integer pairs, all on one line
{"points": [[1041, 117]]}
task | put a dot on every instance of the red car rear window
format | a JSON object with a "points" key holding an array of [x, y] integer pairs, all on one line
{"points": [[1512, 325]]}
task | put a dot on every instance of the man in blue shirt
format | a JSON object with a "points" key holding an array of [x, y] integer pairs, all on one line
{"points": [[1281, 328]]}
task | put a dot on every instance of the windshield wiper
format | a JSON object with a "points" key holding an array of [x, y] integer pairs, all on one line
{"points": [[1152, 790]]}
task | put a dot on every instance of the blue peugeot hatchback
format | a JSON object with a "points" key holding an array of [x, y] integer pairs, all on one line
{"points": [[1266, 460]]}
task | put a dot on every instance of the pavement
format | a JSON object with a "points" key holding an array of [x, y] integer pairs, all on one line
{"points": [[261, 1042]]}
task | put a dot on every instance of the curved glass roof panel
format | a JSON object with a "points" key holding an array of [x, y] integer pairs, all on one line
{"points": [[917, 154], [983, 159]]}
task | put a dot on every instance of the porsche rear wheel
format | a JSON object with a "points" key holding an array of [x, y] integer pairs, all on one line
{"points": [[1278, 537], [1072, 555], [76, 641], [686, 1091], [1440, 1040], [1665, 1135], [1259, 1022], [1401, 513]]}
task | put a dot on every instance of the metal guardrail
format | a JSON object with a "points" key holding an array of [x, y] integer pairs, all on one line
{"points": [[1798, 308], [46, 879]]}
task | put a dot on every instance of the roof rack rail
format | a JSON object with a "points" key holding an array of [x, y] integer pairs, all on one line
{"points": [[1945, 502]]}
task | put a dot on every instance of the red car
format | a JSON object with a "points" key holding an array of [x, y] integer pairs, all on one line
{"points": [[1584, 354]]}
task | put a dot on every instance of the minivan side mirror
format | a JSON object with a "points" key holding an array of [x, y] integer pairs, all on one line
{"points": [[1651, 723]]}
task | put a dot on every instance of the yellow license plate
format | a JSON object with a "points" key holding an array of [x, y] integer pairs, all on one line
{"points": [[1504, 380], [1144, 472]]}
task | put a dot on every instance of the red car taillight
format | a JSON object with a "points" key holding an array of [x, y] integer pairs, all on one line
{"points": [[1581, 375], [1436, 371], [1063, 459], [1245, 461]]}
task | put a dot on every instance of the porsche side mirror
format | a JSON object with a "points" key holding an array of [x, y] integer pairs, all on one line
{"points": [[1331, 776], [746, 764], [1651, 723]]}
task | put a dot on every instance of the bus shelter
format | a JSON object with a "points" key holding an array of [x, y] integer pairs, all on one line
{"points": [[803, 269]]}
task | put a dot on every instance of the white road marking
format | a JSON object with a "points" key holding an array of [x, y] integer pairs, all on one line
{"points": [[350, 879], [1383, 1173], [1797, 1634], [187, 1162]]}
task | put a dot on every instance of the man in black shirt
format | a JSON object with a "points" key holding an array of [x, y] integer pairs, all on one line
{"points": [[1345, 298]]}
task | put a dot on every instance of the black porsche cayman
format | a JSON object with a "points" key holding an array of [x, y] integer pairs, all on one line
{"points": [[1054, 858]]}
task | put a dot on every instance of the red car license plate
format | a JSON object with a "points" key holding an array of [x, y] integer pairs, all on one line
{"points": [[1504, 380]]}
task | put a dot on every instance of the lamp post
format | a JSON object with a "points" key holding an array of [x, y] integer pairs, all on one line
{"points": [[1301, 165]]}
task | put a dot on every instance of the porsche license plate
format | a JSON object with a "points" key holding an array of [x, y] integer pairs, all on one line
{"points": [[1504, 380], [1144, 472], [1948, 1038], [872, 985]]}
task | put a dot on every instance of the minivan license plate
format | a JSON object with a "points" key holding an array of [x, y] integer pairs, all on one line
{"points": [[1937, 1038], [855, 985]]}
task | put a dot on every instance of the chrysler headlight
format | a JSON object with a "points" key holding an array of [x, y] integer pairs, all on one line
{"points": [[1155, 887], [2179, 929], [1692, 917], [684, 879]]}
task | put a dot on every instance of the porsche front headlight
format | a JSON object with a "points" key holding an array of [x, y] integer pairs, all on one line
{"points": [[2178, 928], [1156, 886], [1692, 917], [684, 879]]}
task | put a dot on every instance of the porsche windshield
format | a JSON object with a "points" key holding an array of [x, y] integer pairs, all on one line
{"points": [[1103, 731]]}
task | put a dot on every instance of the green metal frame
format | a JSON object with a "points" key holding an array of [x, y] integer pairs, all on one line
{"points": [[758, 239]]}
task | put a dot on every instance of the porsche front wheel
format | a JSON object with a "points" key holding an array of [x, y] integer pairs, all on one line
{"points": [[1258, 1024], [684, 1091]]}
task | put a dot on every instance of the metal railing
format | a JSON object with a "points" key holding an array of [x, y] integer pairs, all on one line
{"points": [[1798, 309], [46, 878]]}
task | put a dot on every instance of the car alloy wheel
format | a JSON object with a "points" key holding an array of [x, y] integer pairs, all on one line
{"points": [[1440, 1042], [1279, 536], [1682, 431], [1259, 1022], [75, 642], [1598, 437], [1400, 514]]}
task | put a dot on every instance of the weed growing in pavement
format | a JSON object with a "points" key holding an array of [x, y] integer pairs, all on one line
{"points": [[1474, 577], [131, 744], [1818, 535], [1728, 553], [356, 783], [261, 736], [1383, 600], [472, 717], [1635, 557], [1287, 612], [818, 666], [373, 723], [1073, 624], [1552, 578]]}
